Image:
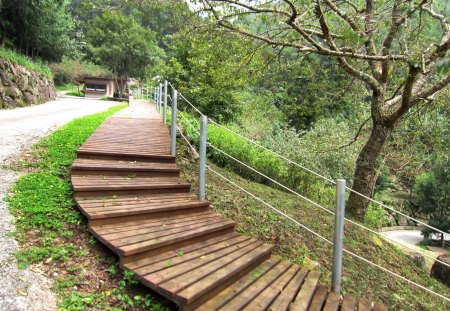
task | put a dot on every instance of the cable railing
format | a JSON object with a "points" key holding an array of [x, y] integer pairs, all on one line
{"points": [[323, 177], [203, 124]]}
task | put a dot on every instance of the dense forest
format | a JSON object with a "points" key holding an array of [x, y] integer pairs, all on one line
{"points": [[351, 89]]}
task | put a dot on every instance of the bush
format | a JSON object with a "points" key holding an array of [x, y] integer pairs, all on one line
{"points": [[259, 159]]}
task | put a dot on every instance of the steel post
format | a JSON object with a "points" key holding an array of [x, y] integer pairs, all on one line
{"points": [[202, 160], [165, 103], [173, 128], [336, 278]]}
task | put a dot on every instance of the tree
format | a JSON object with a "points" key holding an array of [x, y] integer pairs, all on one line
{"points": [[396, 48], [121, 44], [38, 28]]}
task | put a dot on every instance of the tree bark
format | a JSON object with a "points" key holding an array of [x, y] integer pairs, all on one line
{"points": [[4, 34], [365, 172]]}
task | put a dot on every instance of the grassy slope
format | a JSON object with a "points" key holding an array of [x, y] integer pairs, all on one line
{"points": [[26, 62], [53, 234], [300, 247]]}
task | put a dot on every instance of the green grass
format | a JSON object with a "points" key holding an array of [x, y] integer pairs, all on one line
{"points": [[297, 245], [76, 93], [53, 233], [25, 61], [67, 87]]}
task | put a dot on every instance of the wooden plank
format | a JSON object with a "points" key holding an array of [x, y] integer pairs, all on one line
{"points": [[333, 302], [216, 273], [271, 292], [166, 270], [306, 292], [349, 303], [239, 300], [318, 299], [173, 238], [283, 301], [240, 285], [151, 264], [144, 258]]}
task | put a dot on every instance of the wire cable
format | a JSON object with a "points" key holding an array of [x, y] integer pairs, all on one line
{"points": [[322, 207], [327, 179], [326, 240], [187, 141]]}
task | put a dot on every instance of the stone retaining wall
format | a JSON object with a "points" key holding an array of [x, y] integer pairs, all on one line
{"points": [[21, 87]]}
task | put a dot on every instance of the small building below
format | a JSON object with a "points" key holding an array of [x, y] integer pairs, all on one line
{"points": [[102, 86]]}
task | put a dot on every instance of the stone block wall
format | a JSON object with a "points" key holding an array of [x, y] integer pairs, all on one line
{"points": [[21, 87]]}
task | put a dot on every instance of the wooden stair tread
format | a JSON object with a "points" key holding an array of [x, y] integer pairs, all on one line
{"points": [[304, 296], [133, 153], [97, 183], [123, 165], [97, 209], [189, 287], [144, 260], [131, 238]]}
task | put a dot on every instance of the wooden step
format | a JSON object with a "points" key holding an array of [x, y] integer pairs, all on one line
{"points": [[123, 183], [106, 153], [200, 278], [306, 293], [81, 164], [131, 237], [120, 206]]}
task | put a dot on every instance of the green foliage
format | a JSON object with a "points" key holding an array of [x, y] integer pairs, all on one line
{"points": [[77, 93], [39, 27], [208, 70], [375, 217], [42, 200], [68, 69], [432, 189], [122, 44], [37, 66]]}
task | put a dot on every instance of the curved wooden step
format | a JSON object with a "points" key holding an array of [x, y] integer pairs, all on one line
{"points": [[135, 236], [82, 164], [120, 206], [123, 183]]}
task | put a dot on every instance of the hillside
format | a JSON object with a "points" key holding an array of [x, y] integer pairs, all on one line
{"points": [[298, 246]]}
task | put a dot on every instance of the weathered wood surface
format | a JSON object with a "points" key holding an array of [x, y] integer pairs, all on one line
{"points": [[128, 186]]}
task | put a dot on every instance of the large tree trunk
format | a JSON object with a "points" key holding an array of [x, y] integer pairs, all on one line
{"points": [[365, 173]]}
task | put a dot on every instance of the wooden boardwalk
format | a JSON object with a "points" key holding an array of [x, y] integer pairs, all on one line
{"points": [[128, 186]]}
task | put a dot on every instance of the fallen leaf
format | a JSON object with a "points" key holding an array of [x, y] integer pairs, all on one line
{"points": [[22, 292]]}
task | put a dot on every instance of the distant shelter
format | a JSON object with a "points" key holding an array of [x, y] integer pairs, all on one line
{"points": [[103, 86]]}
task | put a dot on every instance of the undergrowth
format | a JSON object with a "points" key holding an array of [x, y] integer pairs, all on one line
{"points": [[53, 234], [297, 245], [22, 60]]}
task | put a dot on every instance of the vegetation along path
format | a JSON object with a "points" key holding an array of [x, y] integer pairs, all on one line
{"points": [[127, 184], [28, 289]]}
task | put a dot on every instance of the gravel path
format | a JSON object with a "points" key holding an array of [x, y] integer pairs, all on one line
{"points": [[29, 289]]}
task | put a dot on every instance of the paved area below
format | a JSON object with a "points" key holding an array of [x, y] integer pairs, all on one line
{"points": [[29, 289]]}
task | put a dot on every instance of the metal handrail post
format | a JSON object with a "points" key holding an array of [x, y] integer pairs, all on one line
{"points": [[202, 160], [160, 97], [173, 128], [165, 103], [336, 278]]}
